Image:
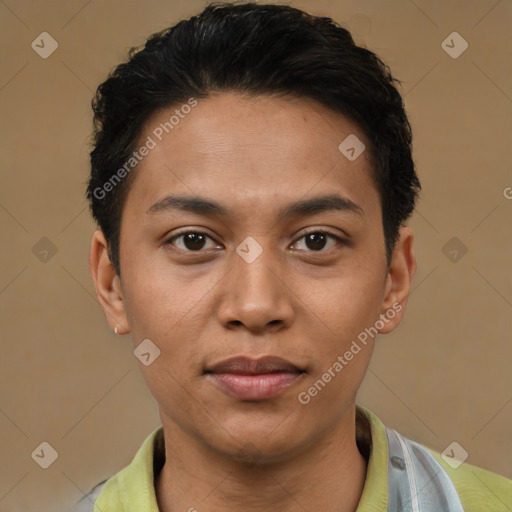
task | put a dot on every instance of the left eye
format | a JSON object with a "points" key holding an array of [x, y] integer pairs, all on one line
{"points": [[317, 241], [192, 241]]}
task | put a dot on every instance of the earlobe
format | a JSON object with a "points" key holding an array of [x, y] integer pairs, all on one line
{"points": [[399, 279], [107, 284]]}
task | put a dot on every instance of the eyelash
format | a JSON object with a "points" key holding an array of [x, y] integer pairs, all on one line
{"points": [[338, 239]]}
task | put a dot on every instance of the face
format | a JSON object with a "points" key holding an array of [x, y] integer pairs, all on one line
{"points": [[253, 256]]}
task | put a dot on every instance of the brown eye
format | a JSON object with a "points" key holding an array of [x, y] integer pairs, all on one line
{"points": [[192, 241], [317, 241]]}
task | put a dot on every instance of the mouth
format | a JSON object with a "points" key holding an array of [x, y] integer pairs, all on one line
{"points": [[250, 379]]}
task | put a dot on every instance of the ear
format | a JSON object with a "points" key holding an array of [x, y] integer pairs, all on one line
{"points": [[107, 284], [398, 281]]}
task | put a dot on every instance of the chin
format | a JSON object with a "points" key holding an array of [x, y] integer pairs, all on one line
{"points": [[253, 446]]}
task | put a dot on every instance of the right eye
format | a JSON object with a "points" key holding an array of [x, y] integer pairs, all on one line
{"points": [[192, 241]]}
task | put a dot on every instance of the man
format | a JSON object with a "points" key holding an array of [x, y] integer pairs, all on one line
{"points": [[251, 177]]}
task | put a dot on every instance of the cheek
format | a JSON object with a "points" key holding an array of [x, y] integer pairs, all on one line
{"points": [[344, 310], [347, 304], [343, 347], [160, 300], [174, 312], [160, 308]]}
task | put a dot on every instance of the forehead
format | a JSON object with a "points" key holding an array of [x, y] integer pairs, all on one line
{"points": [[251, 152]]}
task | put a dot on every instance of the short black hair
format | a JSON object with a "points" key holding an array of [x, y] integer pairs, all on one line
{"points": [[256, 50]]}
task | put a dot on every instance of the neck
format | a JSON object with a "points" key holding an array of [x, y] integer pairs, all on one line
{"points": [[327, 475]]}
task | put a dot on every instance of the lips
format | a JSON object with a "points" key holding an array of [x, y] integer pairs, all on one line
{"points": [[254, 379], [248, 366]]}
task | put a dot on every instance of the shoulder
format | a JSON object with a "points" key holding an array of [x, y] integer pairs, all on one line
{"points": [[479, 490], [133, 486], [431, 475], [110, 498], [86, 504]]}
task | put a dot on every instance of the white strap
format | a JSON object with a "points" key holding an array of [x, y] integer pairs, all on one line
{"points": [[416, 481]]}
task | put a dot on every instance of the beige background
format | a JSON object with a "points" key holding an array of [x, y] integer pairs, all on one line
{"points": [[66, 379]]}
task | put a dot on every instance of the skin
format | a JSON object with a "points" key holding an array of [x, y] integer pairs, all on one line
{"points": [[254, 156]]}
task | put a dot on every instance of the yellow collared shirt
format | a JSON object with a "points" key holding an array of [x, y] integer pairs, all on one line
{"points": [[479, 490]]}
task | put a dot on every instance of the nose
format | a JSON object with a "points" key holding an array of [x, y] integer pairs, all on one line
{"points": [[256, 296]]}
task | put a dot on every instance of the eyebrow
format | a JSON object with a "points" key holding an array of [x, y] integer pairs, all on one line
{"points": [[203, 206], [189, 204], [320, 204]]}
